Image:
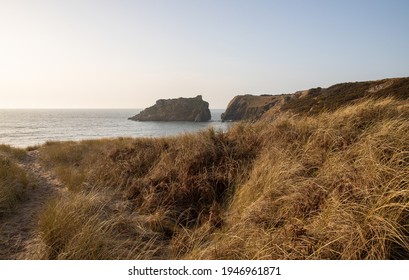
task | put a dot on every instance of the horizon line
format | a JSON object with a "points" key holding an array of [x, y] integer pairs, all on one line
{"points": [[81, 108]]}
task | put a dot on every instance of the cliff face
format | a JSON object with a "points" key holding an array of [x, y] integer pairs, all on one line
{"points": [[250, 107], [180, 109], [313, 101]]}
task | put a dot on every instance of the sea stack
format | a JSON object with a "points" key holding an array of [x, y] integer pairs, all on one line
{"points": [[179, 109]]}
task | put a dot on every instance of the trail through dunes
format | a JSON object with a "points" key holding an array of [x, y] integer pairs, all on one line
{"points": [[18, 229]]}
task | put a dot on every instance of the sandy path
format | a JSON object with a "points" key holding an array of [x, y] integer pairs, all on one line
{"points": [[18, 230]]}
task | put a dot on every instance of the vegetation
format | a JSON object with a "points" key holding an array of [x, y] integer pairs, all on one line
{"points": [[327, 178], [317, 100], [13, 179], [11, 152], [329, 186]]}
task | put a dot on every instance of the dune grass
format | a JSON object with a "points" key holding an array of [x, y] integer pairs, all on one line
{"points": [[333, 186], [71, 161], [329, 186], [13, 179], [12, 152], [83, 226]]}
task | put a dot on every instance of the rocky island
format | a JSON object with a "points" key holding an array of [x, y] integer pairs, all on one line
{"points": [[179, 109]]}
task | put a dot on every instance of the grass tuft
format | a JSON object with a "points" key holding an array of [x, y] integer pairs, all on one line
{"points": [[13, 180]]}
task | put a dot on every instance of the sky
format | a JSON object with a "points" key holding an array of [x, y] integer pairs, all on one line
{"points": [[128, 54]]}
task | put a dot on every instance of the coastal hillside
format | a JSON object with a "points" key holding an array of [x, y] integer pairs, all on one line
{"points": [[315, 100], [328, 180]]}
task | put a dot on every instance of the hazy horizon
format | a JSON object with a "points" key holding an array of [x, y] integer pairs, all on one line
{"points": [[84, 108], [127, 54]]}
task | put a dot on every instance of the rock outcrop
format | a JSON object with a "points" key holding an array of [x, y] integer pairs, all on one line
{"points": [[250, 107], [313, 101], [180, 109]]}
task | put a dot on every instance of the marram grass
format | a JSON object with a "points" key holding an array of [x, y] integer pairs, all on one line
{"points": [[334, 185]]}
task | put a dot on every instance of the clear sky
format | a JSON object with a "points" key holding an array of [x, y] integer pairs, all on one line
{"points": [[128, 54]]}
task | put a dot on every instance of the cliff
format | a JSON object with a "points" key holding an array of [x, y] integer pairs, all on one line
{"points": [[315, 100], [180, 109], [250, 107]]}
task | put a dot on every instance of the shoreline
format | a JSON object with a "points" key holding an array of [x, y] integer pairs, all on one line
{"points": [[23, 130]]}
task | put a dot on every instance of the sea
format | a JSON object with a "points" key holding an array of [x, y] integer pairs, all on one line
{"points": [[29, 127]]}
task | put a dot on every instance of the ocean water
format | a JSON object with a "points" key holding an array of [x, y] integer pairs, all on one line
{"points": [[28, 127]]}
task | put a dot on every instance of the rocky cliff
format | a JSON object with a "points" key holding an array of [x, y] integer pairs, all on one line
{"points": [[180, 109], [313, 101], [250, 107]]}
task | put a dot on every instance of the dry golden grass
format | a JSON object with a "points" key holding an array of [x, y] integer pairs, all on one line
{"points": [[329, 186], [83, 226], [333, 186], [71, 161], [12, 152], [13, 179]]}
